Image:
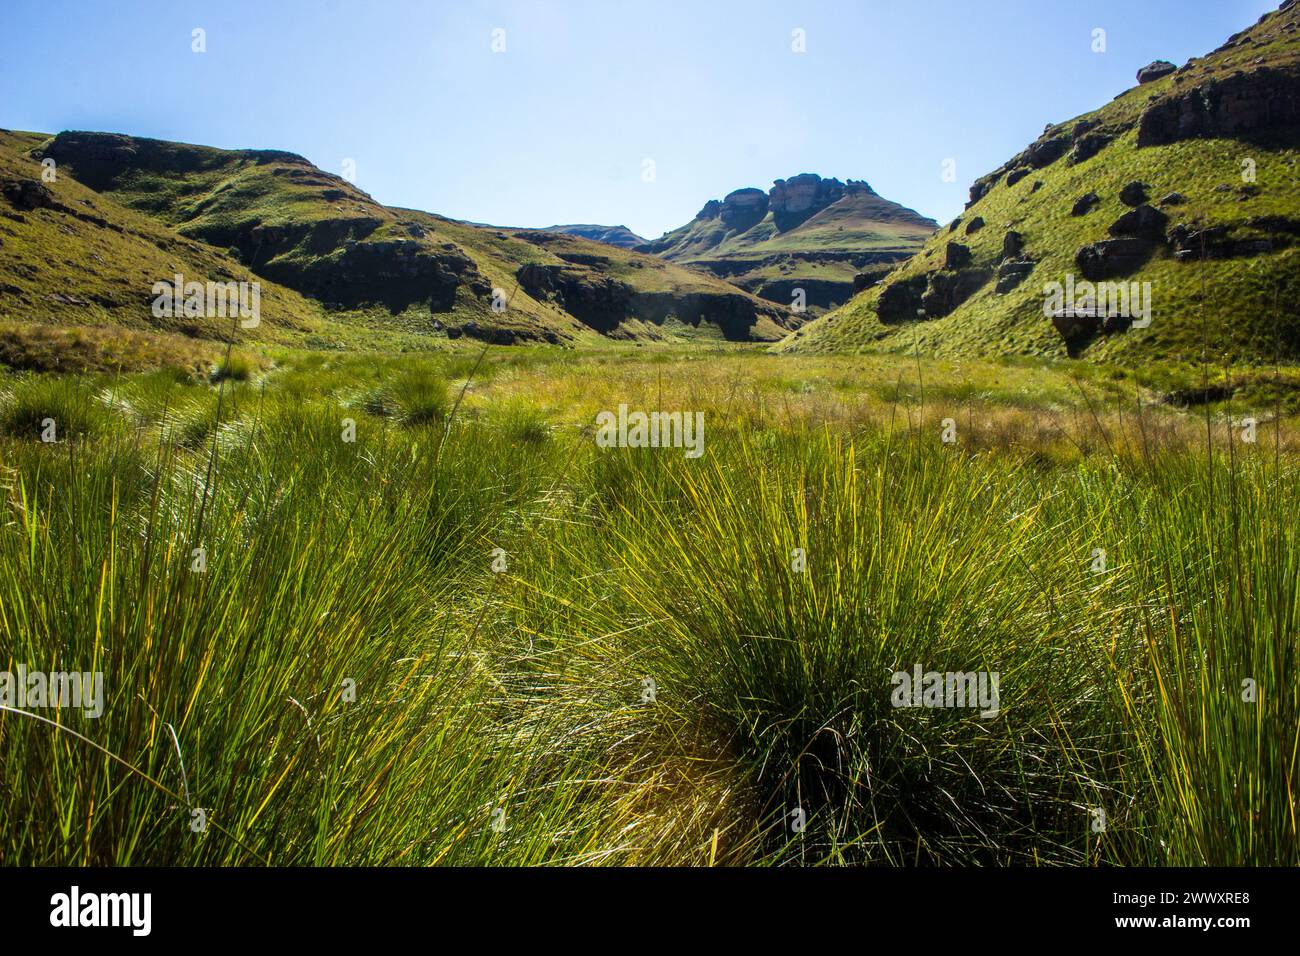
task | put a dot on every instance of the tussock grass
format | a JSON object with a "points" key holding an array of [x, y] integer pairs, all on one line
{"points": [[349, 671], [32, 404], [416, 395]]}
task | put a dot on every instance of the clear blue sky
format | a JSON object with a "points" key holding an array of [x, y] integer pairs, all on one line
{"points": [[556, 128]]}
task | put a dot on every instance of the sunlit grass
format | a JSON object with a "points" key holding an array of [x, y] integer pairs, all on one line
{"points": [[459, 632]]}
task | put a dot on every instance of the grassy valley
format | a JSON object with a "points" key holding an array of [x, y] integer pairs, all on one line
{"points": [[461, 633], [496, 546]]}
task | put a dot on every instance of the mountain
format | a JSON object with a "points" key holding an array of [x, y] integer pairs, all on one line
{"points": [[77, 266], [820, 235], [338, 268], [1185, 185], [613, 235]]}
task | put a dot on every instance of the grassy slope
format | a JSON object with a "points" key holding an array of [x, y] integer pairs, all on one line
{"points": [[222, 196], [1237, 313], [88, 262]]}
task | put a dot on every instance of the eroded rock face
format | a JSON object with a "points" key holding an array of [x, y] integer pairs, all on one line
{"points": [[818, 293], [342, 259], [949, 289], [1234, 106], [799, 198], [712, 210], [743, 209], [395, 273], [901, 301], [603, 303], [597, 301]]}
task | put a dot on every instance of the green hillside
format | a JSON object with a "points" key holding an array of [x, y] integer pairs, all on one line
{"points": [[386, 275], [817, 234], [77, 261], [1210, 156]]}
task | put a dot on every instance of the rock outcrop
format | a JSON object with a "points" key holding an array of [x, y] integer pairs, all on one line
{"points": [[743, 209], [795, 200], [1237, 105]]}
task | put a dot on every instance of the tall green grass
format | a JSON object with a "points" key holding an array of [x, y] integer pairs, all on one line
{"points": [[479, 639]]}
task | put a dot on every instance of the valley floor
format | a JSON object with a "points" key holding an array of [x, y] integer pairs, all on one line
{"points": [[405, 609]]}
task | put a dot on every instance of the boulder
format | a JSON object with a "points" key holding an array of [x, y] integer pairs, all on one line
{"points": [[1172, 199], [1216, 242], [1155, 70], [1281, 224], [1144, 222], [975, 225], [1210, 241], [1016, 175], [1086, 147], [980, 188], [1133, 194], [1047, 151], [956, 256], [1112, 258], [1253, 247], [1075, 328], [27, 194], [1012, 244], [1085, 204]]}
